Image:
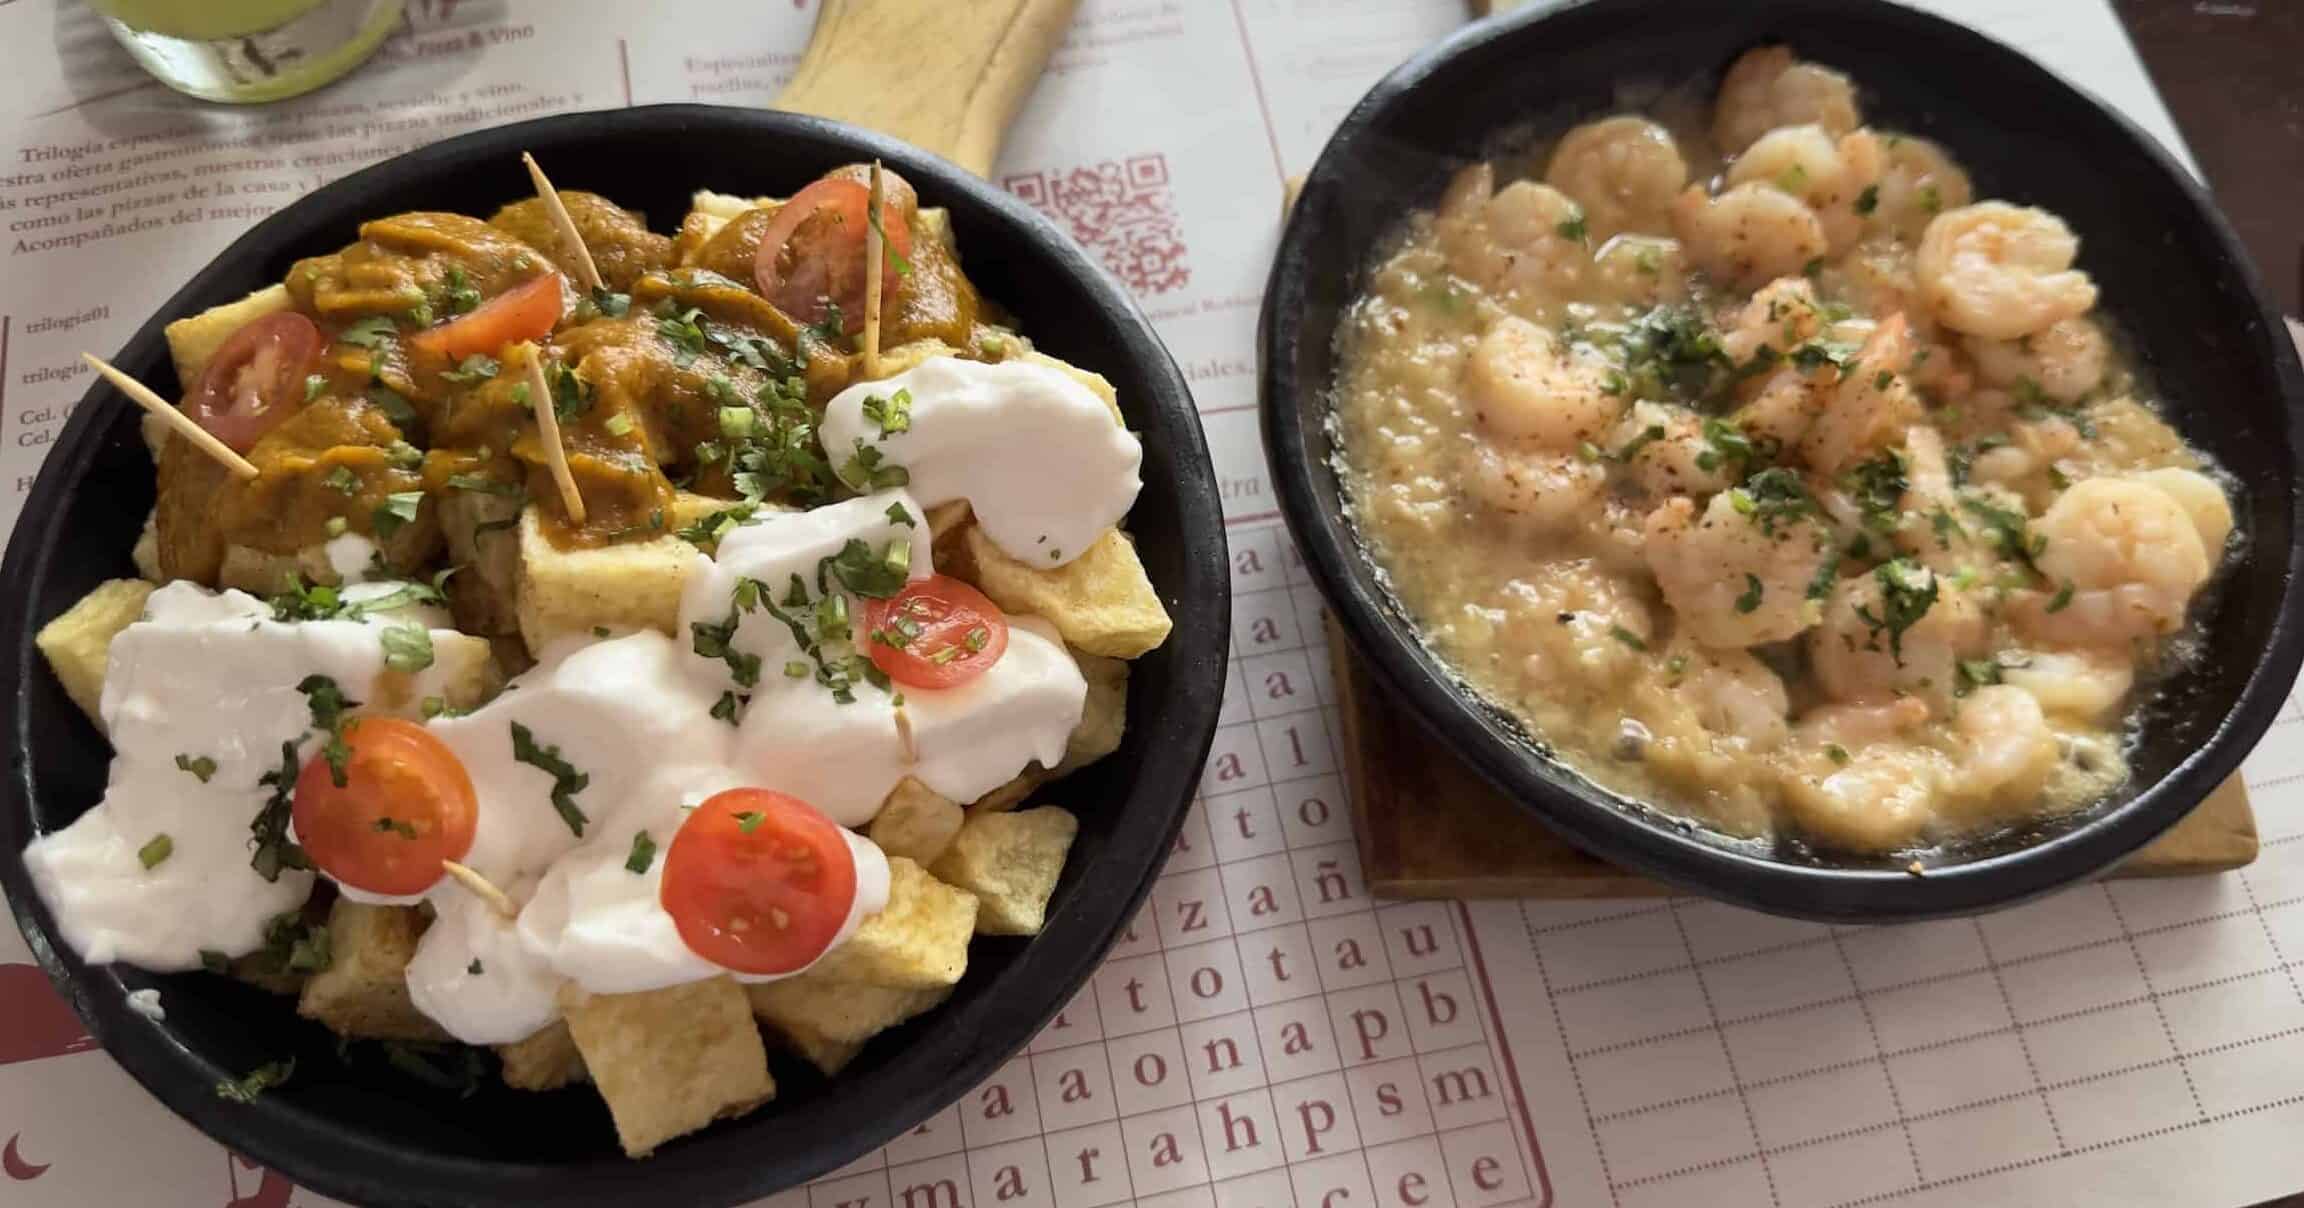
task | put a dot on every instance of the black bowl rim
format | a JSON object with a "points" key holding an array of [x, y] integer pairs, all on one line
{"points": [[1587, 817], [339, 1160]]}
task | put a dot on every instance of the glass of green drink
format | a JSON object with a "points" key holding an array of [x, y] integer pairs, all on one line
{"points": [[245, 51]]}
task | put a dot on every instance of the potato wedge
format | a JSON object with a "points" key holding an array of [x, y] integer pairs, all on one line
{"points": [[916, 822], [920, 942], [193, 340], [543, 1062], [634, 585], [364, 990], [78, 644], [828, 1021], [1102, 601], [1010, 861], [671, 1061]]}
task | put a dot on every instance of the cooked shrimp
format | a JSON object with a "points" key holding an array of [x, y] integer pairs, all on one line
{"points": [[1624, 171], [1830, 175], [2001, 271], [1918, 181], [1524, 384], [2034, 445], [2064, 361], [1670, 453], [1783, 409], [1640, 270], [1781, 315], [1531, 491], [1767, 88], [1930, 528], [2125, 558], [2086, 686], [1870, 405], [2007, 750], [1898, 631], [1748, 235], [1526, 238], [1735, 579], [1735, 695], [2202, 499], [1878, 800]]}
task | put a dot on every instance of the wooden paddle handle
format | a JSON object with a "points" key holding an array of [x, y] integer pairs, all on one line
{"points": [[944, 75]]}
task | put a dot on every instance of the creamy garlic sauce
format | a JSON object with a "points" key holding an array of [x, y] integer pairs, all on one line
{"points": [[1811, 500], [474, 975], [210, 676], [1039, 457], [604, 927]]}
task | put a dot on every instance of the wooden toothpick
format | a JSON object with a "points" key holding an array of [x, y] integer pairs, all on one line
{"points": [[904, 735], [874, 254], [548, 431], [183, 425], [480, 885], [587, 273]]}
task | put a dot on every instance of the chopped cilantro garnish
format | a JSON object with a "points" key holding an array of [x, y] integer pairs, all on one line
{"points": [[643, 853], [1640, 440], [370, 333], [394, 826], [407, 648], [1753, 591], [341, 480], [867, 469], [1868, 201], [709, 530], [610, 303], [1626, 636], [566, 780], [474, 368], [201, 766], [1907, 591], [877, 576], [896, 259], [750, 821], [892, 414], [1575, 229], [328, 705], [255, 1082], [398, 509], [2062, 599], [475, 969], [269, 829]]}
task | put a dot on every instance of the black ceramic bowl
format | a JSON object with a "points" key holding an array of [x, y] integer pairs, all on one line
{"points": [[370, 1135], [2172, 276]]}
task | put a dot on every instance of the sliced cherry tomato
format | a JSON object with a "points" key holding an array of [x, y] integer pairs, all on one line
{"points": [[256, 379], [405, 805], [528, 311], [936, 633], [813, 253], [758, 881]]}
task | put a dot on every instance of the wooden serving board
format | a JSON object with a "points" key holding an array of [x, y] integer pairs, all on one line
{"points": [[1430, 827]]}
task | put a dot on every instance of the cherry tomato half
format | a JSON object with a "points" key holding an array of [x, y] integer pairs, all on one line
{"points": [[256, 379], [406, 804], [758, 881], [936, 633], [814, 251], [527, 311]]}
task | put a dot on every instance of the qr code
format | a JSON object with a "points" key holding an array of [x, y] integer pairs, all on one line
{"points": [[1122, 210]]}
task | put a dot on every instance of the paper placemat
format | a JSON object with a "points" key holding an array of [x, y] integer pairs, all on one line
{"points": [[1266, 1034]]}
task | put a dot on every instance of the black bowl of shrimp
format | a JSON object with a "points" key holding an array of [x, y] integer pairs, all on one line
{"points": [[374, 1111], [1783, 474]]}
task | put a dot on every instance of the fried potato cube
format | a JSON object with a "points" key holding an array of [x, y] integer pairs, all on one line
{"points": [[671, 1061], [827, 1021], [193, 340], [1010, 861], [546, 1061], [916, 822], [919, 942], [1101, 602], [635, 585], [78, 644], [364, 990], [1103, 717]]}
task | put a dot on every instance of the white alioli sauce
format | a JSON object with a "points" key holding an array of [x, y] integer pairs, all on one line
{"points": [[210, 676], [603, 926], [1039, 457], [843, 758]]}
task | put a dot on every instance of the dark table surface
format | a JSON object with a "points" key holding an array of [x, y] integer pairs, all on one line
{"points": [[2232, 72]]}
